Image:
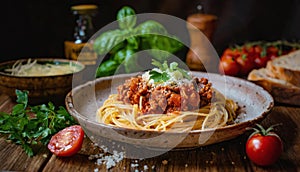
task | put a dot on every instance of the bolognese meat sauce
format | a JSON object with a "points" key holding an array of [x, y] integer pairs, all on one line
{"points": [[166, 98]]}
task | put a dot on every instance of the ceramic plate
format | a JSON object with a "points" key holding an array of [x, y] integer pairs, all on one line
{"points": [[84, 100]]}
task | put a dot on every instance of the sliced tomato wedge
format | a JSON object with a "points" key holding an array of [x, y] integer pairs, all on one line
{"points": [[67, 142]]}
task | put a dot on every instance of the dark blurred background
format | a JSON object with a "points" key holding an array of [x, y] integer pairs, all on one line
{"points": [[38, 28]]}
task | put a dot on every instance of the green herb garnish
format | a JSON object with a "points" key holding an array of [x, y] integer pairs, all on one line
{"points": [[164, 74], [159, 77], [31, 125]]}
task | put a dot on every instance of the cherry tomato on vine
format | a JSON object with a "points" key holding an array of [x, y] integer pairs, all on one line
{"points": [[246, 63], [264, 147], [261, 61], [272, 52], [229, 66], [67, 142], [233, 52], [253, 50]]}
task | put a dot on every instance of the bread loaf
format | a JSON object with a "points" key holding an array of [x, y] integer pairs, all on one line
{"points": [[281, 90], [286, 67]]}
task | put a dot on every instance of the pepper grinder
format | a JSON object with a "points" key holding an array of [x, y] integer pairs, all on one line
{"points": [[201, 27]]}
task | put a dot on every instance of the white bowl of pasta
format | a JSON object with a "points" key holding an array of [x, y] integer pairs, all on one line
{"points": [[46, 79], [235, 105]]}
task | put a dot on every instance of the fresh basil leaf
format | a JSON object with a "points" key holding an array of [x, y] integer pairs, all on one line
{"points": [[108, 40], [118, 47], [149, 28], [161, 47], [107, 68], [149, 35], [131, 64], [133, 42], [123, 54], [126, 18]]}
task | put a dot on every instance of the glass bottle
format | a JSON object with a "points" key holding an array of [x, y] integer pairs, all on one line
{"points": [[83, 31]]}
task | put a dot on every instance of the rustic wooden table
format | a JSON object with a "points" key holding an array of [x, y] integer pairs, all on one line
{"points": [[225, 156]]}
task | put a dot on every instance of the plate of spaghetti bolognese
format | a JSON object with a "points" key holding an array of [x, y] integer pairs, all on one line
{"points": [[168, 107]]}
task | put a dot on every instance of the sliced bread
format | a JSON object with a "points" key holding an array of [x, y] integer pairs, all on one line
{"points": [[281, 90], [286, 67]]}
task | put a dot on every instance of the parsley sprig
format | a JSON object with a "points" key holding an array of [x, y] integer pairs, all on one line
{"points": [[31, 125], [164, 74]]}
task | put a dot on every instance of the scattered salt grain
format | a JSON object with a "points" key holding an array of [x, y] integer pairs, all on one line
{"points": [[146, 167], [109, 160], [134, 165], [153, 167]]}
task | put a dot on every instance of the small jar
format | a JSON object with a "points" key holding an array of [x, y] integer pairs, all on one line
{"points": [[84, 27], [83, 31]]}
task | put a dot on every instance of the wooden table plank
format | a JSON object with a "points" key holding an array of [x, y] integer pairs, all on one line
{"points": [[226, 156], [13, 158]]}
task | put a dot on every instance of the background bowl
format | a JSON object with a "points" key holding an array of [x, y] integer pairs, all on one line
{"points": [[41, 88], [84, 101]]}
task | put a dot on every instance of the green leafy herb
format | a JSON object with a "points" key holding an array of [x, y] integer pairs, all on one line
{"points": [[148, 35], [126, 18], [159, 77], [174, 67], [164, 75], [31, 125]]}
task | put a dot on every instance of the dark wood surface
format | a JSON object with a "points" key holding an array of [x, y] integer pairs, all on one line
{"points": [[225, 156]]}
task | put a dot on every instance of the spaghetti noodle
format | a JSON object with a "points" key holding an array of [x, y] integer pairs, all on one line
{"points": [[180, 106]]}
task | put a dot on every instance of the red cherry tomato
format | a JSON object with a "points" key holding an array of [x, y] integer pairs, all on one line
{"points": [[228, 66], [231, 52], [228, 56], [272, 52], [272, 56], [253, 50], [228, 51], [246, 63], [67, 142], [261, 61], [264, 147]]}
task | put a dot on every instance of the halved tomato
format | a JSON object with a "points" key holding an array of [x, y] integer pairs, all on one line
{"points": [[67, 142]]}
